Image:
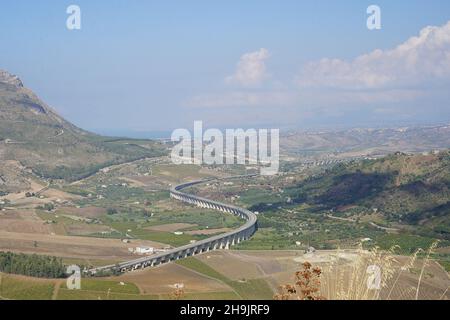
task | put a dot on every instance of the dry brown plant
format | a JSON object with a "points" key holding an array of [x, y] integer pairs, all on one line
{"points": [[305, 287], [364, 278]]}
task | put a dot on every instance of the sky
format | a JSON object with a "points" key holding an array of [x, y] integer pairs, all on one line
{"points": [[137, 67]]}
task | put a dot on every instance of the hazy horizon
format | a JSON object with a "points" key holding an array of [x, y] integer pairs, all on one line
{"points": [[147, 68]]}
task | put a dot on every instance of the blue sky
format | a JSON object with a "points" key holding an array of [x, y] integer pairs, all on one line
{"points": [[160, 65]]}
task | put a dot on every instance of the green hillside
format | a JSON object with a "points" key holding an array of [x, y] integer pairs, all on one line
{"points": [[405, 189]]}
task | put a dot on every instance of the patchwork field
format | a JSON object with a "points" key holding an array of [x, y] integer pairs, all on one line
{"points": [[89, 218], [85, 223], [234, 275], [162, 280], [170, 227], [70, 246], [23, 221]]}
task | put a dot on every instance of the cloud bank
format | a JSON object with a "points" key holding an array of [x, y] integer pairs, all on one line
{"points": [[419, 61]]}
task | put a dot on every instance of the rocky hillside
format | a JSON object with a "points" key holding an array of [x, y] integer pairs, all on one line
{"points": [[39, 139]]}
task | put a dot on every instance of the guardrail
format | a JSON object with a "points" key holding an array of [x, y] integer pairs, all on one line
{"points": [[222, 241]]}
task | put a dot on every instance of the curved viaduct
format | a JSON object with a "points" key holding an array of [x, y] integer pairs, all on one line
{"points": [[222, 241]]}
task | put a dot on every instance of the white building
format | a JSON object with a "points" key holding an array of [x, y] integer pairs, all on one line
{"points": [[144, 250]]}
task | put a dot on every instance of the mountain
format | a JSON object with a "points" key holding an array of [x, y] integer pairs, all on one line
{"points": [[404, 189], [366, 141], [35, 136]]}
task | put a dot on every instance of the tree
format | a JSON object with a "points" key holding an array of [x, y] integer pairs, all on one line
{"points": [[111, 211], [32, 265]]}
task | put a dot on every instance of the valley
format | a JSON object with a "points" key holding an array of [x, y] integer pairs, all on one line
{"points": [[93, 201]]}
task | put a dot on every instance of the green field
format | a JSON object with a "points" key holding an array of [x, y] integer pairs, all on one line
{"points": [[106, 285], [253, 289], [102, 289], [65, 294], [19, 289], [201, 267], [406, 243], [445, 263], [139, 225], [268, 239], [178, 173], [211, 296], [252, 196]]}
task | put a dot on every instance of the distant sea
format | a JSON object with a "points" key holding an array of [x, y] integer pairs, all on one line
{"points": [[134, 134]]}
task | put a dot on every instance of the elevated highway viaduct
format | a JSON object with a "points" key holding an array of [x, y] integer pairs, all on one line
{"points": [[222, 241]]}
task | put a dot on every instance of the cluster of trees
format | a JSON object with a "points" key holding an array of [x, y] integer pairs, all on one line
{"points": [[107, 273], [111, 211], [32, 265], [46, 207], [143, 212]]}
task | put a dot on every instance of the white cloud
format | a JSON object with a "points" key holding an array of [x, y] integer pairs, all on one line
{"points": [[419, 61], [251, 69]]}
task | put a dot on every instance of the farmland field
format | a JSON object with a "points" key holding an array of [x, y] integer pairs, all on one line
{"points": [[225, 275], [87, 221], [22, 288]]}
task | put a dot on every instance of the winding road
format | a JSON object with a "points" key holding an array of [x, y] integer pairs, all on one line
{"points": [[222, 241]]}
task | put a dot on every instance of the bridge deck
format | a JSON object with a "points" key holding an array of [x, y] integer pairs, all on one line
{"points": [[222, 241]]}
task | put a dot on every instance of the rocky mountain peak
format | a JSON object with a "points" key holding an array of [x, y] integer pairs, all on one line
{"points": [[8, 78]]}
